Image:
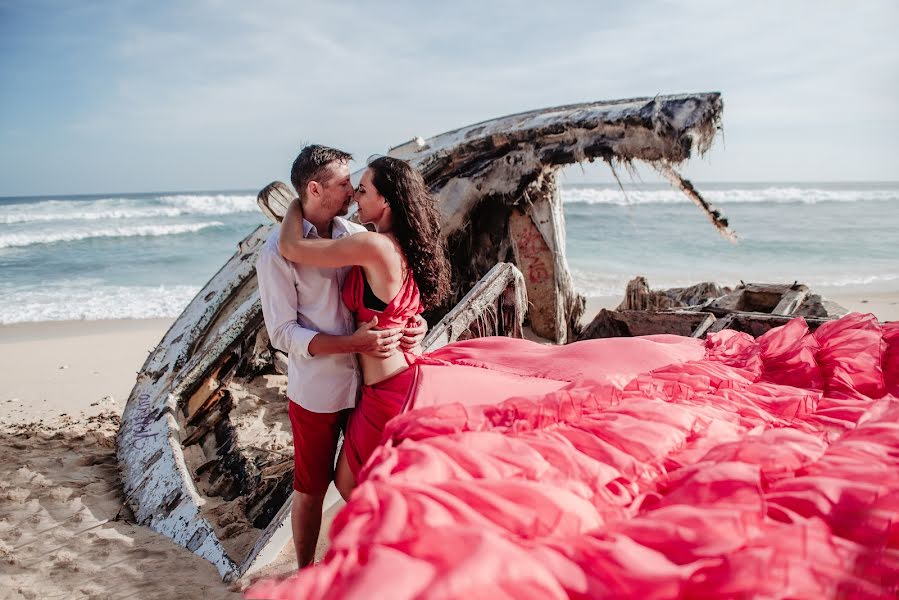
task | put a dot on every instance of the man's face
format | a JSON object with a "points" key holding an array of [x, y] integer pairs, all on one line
{"points": [[337, 190]]}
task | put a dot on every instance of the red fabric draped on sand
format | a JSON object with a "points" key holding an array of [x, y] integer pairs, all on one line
{"points": [[766, 467], [487, 371]]}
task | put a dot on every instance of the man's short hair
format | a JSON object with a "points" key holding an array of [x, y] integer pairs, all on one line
{"points": [[312, 164]]}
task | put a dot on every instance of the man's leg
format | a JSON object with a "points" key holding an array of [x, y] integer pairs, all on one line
{"points": [[315, 438], [306, 521]]}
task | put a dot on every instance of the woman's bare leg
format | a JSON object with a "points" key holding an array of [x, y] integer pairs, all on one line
{"points": [[344, 480]]}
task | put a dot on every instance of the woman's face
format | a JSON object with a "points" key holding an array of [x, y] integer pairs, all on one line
{"points": [[371, 203]]}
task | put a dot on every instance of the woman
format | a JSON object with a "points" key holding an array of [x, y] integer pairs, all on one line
{"points": [[399, 268]]}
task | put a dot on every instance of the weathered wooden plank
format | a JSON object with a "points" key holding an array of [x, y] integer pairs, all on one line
{"points": [[274, 199], [758, 297], [631, 323], [503, 279], [534, 258], [639, 296], [756, 324], [791, 300], [157, 483], [537, 233]]}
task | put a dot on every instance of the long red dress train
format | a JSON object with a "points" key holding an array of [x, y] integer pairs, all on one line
{"points": [[665, 468]]}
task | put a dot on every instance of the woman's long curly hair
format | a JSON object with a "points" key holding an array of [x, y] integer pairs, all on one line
{"points": [[416, 226]]}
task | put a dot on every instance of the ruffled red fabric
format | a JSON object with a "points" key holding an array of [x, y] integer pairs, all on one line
{"points": [[760, 468]]}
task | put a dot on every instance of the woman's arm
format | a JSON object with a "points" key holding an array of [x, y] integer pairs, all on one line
{"points": [[365, 248]]}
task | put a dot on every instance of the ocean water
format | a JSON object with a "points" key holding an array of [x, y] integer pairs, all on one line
{"points": [[147, 255]]}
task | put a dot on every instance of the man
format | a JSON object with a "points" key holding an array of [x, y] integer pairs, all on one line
{"points": [[306, 318]]}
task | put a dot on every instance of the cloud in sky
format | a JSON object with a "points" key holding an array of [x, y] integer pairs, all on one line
{"points": [[127, 96]]}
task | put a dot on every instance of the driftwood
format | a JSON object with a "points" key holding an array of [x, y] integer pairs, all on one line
{"points": [[714, 215], [776, 299], [274, 199], [757, 324], [631, 323], [157, 483], [638, 295], [752, 308], [494, 306], [496, 186]]}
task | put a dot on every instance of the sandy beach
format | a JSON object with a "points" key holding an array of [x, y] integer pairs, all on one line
{"points": [[65, 530]]}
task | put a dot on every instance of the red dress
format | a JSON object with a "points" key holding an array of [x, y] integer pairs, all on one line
{"points": [[666, 468], [490, 369]]}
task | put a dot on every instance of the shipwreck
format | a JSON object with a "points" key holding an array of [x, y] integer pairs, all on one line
{"points": [[194, 465]]}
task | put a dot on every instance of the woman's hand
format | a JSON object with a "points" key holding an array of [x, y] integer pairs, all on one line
{"points": [[379, 343]]}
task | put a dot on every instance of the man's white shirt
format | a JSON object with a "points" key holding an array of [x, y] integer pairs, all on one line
{"points": [[299, 301]]}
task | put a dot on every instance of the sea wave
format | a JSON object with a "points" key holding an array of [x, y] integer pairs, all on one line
{"points": [[82, 301], [127, 208], [28, 238], [592, 284], [216, 204], [776, 195]]}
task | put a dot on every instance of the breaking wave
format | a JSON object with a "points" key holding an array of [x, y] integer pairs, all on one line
{"points": [[180, 205], [84, 301], [15, 240], [776, 195]]}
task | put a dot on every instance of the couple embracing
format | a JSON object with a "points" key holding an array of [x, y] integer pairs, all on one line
{"points": [[340, 299]]}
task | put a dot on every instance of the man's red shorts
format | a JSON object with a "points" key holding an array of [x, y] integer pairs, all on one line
{"points": [[315, 438]]}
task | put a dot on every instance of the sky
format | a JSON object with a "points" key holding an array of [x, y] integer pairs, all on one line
{"points": [[127, 96]]}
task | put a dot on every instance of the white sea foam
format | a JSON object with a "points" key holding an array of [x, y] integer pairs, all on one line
{"points": [[777, 195], [127, 208], [591, 284], [217, 204], [28, 238], [854, 280], [82, 301]]}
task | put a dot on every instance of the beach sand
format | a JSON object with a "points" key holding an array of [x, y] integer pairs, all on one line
{"points": [[64, 529]]}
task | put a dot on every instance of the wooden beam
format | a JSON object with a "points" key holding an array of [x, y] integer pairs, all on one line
{"points": [[274, 199], [492, 293]]}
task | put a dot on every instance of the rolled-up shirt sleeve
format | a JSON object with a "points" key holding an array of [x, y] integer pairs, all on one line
{"points": [[278, 295]]}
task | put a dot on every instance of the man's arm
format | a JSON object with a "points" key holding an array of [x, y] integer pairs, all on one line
{"points": [[279, 309]]}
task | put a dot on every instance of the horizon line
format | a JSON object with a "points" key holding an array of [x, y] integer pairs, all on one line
{"points": [[250, 190]]}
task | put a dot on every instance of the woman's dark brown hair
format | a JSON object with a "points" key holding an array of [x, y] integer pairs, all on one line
{"points": [[416, 226]]}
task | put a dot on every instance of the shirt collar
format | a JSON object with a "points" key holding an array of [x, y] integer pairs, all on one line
{"points": [[338, 229]]}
